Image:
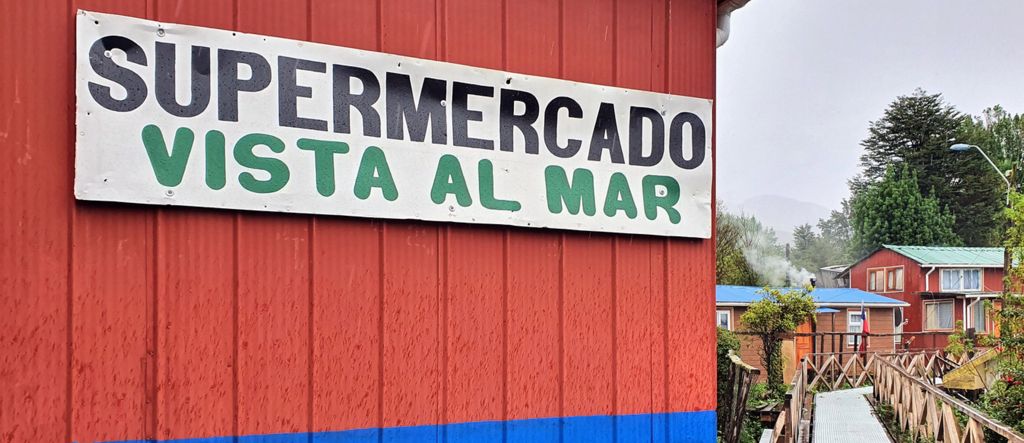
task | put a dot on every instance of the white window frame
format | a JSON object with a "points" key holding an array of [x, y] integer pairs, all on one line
{"points": [[728, 318], [952, 311], [850, 314], [960, 280]]}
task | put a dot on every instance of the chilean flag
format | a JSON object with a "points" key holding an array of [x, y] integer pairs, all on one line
{"points": [[864, 328]]}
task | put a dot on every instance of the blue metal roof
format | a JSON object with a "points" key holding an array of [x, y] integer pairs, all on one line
{"points": [[745, 295]]}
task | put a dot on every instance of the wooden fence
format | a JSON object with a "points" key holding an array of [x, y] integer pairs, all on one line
{"points": [[904, 380], [730, 415], [854, 369], [822, 342], [792, 423], [924, 410]]}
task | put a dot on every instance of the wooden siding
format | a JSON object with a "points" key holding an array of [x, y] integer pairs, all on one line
{"points": [[140, 323], [880, 322], [913, 286]]}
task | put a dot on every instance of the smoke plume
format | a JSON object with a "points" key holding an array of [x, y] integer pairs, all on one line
{"points": [[762, 252]]}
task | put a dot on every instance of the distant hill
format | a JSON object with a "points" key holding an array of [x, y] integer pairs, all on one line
{"points": [[782, 214]]}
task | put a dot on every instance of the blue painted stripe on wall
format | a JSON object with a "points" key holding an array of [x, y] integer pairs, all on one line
{"points": [[675, 427]]}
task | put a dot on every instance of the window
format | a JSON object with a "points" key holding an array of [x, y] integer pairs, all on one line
{"points": [[876, 281], [950, 279], [885, 279], [961, 280], [938, 315], [972, 279], [979, 318], [724, 319], [895, 280], [854, 325]]}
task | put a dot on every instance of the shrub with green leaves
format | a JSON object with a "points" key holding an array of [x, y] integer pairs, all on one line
{"points": [[777, 314]]}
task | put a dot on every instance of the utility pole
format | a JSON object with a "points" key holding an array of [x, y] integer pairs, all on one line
{"points": [[788, 283]]}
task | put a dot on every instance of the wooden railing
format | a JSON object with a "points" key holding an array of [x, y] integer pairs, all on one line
{"points": [[830, 342], [790, 427], [924, 410], [730, 415], [905, 380], [929, 366], [833, 371], [854, 369]]}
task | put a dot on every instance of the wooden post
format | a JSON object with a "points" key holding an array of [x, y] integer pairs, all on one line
{"points": [[814, 341], [856, 345], [842, 347], [833, 331]]}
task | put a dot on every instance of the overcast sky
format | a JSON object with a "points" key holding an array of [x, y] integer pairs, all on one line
{"points": [[799, 80]]}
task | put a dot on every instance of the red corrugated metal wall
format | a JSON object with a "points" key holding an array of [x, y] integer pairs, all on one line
{"points": [[130, 322]]}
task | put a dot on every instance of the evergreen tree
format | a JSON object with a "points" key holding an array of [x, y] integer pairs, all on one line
{"points": [[807, 248], [1001, 135], [804, 237], [837, 231], [916, 132], [731, 266], [829, 245], [813, 251], [893, 211], [836, 227]]}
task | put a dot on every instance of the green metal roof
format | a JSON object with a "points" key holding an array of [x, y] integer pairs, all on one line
{"points": [[949, 255]]}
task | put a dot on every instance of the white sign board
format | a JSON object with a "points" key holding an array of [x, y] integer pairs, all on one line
{"points": [[182, 115]]}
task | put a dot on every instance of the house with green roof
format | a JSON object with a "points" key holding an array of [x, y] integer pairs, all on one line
{"points": [[941, 284]]}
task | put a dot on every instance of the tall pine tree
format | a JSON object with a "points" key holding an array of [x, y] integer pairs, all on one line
{"points": [[893, 211], [915, 132], [1001, 135], [837, 231]]}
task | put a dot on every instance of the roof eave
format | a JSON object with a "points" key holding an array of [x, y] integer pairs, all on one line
{"points": [[866, 305], [961, 265], [825, 305]]}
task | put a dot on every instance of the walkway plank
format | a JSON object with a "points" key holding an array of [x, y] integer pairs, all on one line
{"points": [[845, 416]]}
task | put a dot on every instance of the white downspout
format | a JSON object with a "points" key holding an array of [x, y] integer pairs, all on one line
{"points": [[973, 309], [725, 9]]}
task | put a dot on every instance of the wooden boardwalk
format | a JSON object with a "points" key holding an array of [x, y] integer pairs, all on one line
{"points": [[846, 416]]}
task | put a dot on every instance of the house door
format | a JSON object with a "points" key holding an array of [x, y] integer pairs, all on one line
{"points": [[803, 343], [897, 328]]}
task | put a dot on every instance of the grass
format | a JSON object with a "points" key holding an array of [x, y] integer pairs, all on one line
{"points": [[887, 416]]}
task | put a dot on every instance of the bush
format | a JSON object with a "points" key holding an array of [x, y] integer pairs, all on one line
{"points": [[775, 315], [727, 341], [751, 431], [1004, 401], [959, 343]]}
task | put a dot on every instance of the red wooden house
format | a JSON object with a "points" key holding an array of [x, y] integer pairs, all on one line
{"points": [[943, 285]]}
